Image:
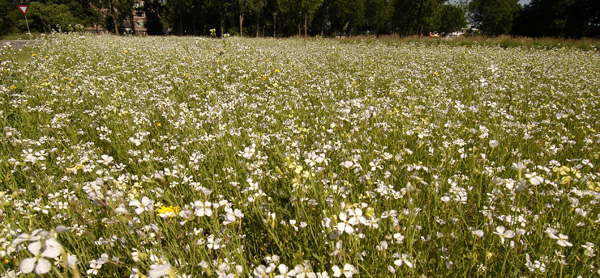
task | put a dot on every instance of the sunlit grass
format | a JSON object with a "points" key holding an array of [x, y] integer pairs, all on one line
{"points": [[191, 157]]}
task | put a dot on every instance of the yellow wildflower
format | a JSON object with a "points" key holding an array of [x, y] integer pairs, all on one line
{"points": [[169, 211]]}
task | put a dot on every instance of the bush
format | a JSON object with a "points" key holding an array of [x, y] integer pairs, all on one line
{"points": [[52, 17]]}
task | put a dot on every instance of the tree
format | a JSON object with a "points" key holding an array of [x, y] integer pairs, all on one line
{"points": [[417, 17], [153, 10], [242, 9], [563, 18], [84, 11], [125, 11], [223, 9], [48, 17], [494, 17], [346, 16], [9, 17], [452, 19], [256, 9], [185, 17], [299, 11], [378, 14], [250, 7], [308, 9], [272, 8]]}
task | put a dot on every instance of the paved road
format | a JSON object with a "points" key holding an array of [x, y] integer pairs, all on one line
{"points": [[14, 43]]}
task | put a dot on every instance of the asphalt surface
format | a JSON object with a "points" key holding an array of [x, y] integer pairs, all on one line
{"points": [[15, 44]]}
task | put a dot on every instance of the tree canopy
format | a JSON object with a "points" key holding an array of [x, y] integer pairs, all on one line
{"points": [[559, 18], [494, 17], [567, 18]]}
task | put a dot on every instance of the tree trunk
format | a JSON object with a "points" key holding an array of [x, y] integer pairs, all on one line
{"points": [[222, 26], [305, 25], [116, 24], [114, 16], [241, 21], [180, 18], [221, 19], [132, 22], [194, 25], [257, 28], [419, 29], [274, 24]]}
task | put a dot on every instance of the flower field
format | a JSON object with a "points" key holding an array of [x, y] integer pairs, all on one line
{"points": [[196, 157]]}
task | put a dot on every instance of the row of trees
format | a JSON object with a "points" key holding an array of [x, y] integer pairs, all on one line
{"points": [[568, 18], [559, 18], [65, 15], [242, 17], [555, 18], [312, 17]]}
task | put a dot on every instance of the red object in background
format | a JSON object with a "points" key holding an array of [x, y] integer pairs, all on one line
{"points": [[23, 8]]}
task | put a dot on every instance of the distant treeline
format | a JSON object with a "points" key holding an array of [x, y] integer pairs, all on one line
{"points": [[562, 18]]}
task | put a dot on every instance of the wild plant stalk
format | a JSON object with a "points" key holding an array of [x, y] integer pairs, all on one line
{"points": [[184, 157]]}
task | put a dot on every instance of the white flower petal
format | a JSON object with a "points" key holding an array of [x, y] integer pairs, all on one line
{"points": [[51, 252], [43, 266], [500, 229], [147, 201], [34, 247], [509, 234], [349, 229], [283, 269], [139, 210], [349, 270], [536, 180], [27, 265], [72, 261], [343, 216], [336, 271], [53, 248], [135, 203], [160, 271]]}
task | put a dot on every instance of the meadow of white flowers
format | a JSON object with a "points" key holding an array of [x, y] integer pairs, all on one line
{"points": [[195, 157]]}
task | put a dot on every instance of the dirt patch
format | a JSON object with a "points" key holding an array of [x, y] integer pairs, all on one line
{"points": [[15, 44]]}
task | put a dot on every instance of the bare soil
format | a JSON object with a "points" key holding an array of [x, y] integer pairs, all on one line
{"points": [[15, 44]]}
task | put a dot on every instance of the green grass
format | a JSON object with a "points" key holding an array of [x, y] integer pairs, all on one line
{"points": [[23, 36], [388, 158], [505, 41]]}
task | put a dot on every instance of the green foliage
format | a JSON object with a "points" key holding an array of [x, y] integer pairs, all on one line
{"points": [[494, 17], [11, 19], [83, 10], [379, 15], [564, 18], [452, 19], [560, 18], [247, 157], [299, 12], [52, 17], [417, 17], [153, 9]]}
